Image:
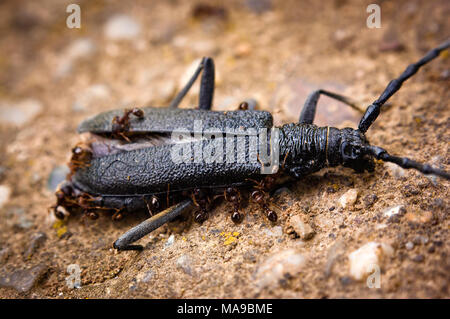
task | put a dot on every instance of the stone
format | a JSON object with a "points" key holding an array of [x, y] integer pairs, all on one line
{"points": [[277, 267], [394, 211], [409, 245], [169, 241], [302, 229], [276, 231], [362, 260], [36, 241], [24, 279], [349, 198], [184, 263], [145, 276], [121, 27], [419, 217], [57, 175], [19, 113], [5, 193], [4, 254], [395, 170], [91, 95]]}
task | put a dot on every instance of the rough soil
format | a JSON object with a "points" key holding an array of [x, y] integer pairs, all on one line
{"points": [[275, 52]]}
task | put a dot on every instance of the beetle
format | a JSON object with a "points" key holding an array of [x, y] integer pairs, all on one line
{"points": [[127, 161]]}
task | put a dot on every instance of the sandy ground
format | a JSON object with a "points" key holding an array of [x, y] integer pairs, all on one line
{"points": [[52, 77]]}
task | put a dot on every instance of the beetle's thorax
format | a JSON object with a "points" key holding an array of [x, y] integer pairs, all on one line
{"points": [[307, 148]]}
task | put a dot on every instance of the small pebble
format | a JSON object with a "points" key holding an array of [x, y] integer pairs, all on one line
{"points": [[395, 170], [275, 268], [23, 280], [121, 27], [420, 240], [363, 259], [170, 241], [409, 245], [90, 96], [4, 254], [302, 229], [418, 258], [5, 193], [369, 200], [394, 211], [349, 198], [184, 263], [57, 175], [36, 241], [259, 6], [19, 113], [17, 217], [145, 276], [419, 217]]}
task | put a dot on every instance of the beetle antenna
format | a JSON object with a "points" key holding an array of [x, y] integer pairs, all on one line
{"points": [[404, 162], [373, 110]]}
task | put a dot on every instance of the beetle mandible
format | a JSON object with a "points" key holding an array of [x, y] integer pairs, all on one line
{"points": [[125, 162]]}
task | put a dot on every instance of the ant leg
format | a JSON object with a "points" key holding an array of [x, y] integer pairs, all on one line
{"points": [[206, 85], [373, 110], [121, 124], [258, 196], [309, 108], [202, 201], [233, 196], [147, 226]]}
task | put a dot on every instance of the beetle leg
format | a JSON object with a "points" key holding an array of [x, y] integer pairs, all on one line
{"points": [[147, 226], [206, 85], [309, 108]]}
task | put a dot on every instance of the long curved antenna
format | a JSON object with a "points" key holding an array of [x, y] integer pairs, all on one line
{"points": [[373, 110], [404, 162]]}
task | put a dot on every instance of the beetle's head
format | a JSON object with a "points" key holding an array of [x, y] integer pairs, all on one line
{"points": [[352, 151]]}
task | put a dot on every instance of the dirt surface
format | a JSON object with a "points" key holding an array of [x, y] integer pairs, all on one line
{"points": [[52, 77]]}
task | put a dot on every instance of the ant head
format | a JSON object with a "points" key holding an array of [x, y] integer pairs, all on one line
{"points": [[352, 150]]}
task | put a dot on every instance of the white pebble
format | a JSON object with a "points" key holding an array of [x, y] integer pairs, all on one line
{"points": [[349, 198], [302, 229], [5, 192], [393, 211], [363, 259], [121, 27], [170, 241], [271, 271], [19, 113]]}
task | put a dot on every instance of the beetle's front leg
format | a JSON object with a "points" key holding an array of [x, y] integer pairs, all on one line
{"points": [[147, 226]]}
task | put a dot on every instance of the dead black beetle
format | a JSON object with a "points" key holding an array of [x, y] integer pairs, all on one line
{"points": [[148, 158]]}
